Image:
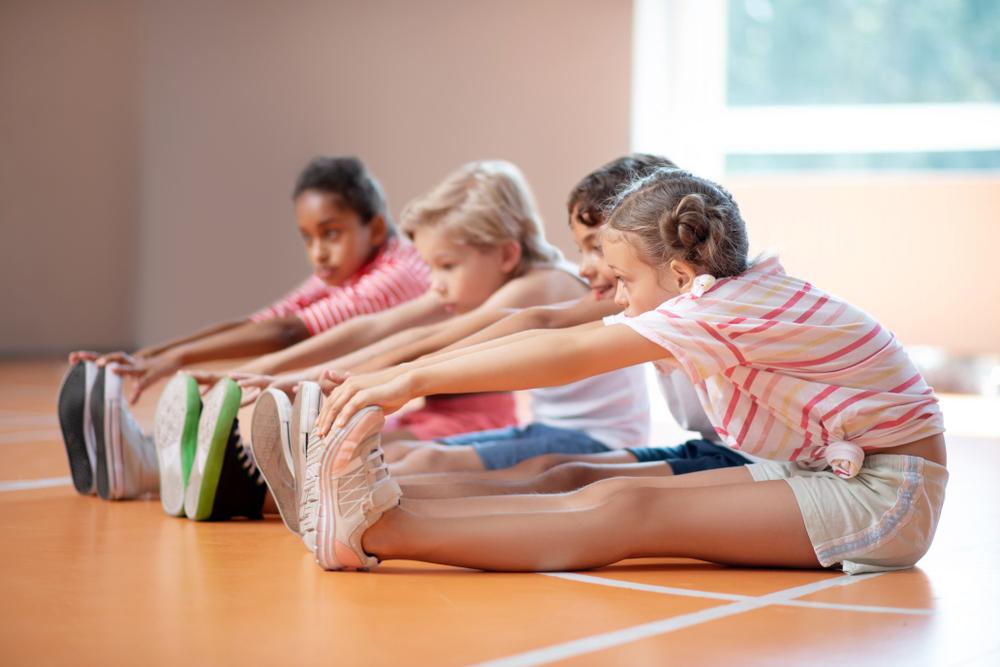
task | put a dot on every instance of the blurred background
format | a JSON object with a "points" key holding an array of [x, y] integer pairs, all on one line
{"points": [[148, 149]]}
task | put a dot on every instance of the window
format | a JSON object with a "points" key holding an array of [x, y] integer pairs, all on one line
{"points": [[751, 86]]}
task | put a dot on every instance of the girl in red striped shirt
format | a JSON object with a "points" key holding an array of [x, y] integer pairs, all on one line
{"points": [[360, 263]]}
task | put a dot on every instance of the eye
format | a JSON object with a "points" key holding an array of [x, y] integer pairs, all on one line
{"points": [[332, 234], [446, 267]]}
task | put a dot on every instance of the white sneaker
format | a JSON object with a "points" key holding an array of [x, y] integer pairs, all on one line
{"points": [[271, 446], [126, 457], [175, 434], [346, 489], [73, 407]]}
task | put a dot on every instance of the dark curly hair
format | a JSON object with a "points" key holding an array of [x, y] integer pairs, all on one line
{"points": [[348, 179], [594, 190]]}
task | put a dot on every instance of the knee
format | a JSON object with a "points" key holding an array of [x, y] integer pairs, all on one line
{"points": [[394, 451], [567, 476], [537, 465]]}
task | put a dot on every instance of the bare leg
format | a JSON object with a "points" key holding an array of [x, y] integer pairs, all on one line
{"points": [[397, 450], [558, 479], [518, 503], [395, 436], [525, 469], [434, 457], [745, 523]]}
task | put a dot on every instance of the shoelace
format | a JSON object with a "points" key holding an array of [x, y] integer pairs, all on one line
{"points": [[309, 501], [356, 488], [246, 459]]}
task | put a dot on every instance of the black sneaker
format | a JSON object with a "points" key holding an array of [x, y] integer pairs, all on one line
{"points": [[241, 488]]}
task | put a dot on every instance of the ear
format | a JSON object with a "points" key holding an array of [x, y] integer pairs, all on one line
{"points": [[379, 230], [682, 274], [510, 256]]}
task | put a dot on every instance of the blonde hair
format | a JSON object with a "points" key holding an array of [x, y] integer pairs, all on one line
{"points": [[484, 204]]}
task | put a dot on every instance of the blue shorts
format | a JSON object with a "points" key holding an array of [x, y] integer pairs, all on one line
{"points": [[692, 456], [505, 447]]}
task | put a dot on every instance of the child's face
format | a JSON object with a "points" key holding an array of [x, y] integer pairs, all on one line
{"points": [[337, 241], [593, 268], [462, 276], [641, 287]]}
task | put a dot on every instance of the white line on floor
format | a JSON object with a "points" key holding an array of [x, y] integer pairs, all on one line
{"points": [[626, 635], [24, 484], [687, 592]]}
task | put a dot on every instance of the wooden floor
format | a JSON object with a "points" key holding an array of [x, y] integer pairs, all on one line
{"points": [[90, 582]]}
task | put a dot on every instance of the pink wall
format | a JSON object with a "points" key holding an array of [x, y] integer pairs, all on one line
{"points": [[148, 150], [68, 182], [237, 96]]}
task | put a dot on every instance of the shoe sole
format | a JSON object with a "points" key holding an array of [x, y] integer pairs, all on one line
{"points": [[269, 441], [114, 467], [331, 554], [74, 420], [98, 415], [305, 411], [218, 412], [175, 434]]}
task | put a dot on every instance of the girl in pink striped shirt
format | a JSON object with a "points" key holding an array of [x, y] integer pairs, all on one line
{"points": [[855, 475]]}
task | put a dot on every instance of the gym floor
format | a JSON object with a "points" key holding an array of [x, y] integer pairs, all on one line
{"points": [[92, 582]]}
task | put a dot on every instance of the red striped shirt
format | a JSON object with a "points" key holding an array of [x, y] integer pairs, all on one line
{"points": [[395, 275]]}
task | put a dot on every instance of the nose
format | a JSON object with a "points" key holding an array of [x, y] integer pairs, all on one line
{"points": [[319, 252], [621, 297], [439, 286], [587, 269]]}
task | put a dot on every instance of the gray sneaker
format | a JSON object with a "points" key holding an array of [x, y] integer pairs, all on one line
{"points": [[271, 445], [126, 457]]}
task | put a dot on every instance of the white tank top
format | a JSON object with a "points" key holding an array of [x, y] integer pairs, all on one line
{"points": [[684, 405], [612, 408]]}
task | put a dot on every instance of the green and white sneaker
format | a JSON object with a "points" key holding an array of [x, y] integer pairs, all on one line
{"points": [[175, 432], [225, 481]]}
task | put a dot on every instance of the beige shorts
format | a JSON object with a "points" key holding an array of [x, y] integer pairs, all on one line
{"points": [[882, 519]]}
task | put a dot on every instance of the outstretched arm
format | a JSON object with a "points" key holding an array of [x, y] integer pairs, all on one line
{"points": [[245, 339], [543, 359], [350, 336]]}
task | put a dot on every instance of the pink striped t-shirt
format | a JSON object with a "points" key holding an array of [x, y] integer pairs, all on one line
{"points": [[395, 275], [786, 371]]}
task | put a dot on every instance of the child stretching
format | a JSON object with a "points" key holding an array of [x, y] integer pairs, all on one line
{"points": [[360, 265], [587, 422], [481, 235], [852, 432]]}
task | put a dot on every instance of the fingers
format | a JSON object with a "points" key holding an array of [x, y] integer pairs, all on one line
{"points": [[358, 401], [140, 386], [82, 355], [250, 395], [332, 379], [326, 417], [249, 381], [115, 358], [205, 377], [334, 407]]}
